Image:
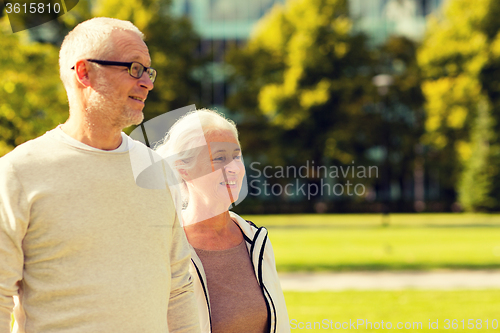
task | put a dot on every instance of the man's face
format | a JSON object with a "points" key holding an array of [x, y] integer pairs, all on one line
{"points": [[114, 95]]}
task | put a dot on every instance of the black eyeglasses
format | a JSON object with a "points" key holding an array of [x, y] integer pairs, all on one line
{"points": [[135, 69]]}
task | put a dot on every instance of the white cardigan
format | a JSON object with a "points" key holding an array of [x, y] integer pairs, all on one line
{"points": [[262, 257]]}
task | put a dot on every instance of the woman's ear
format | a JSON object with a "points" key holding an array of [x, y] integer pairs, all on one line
{"points": [[180, 166], [184, 174]]}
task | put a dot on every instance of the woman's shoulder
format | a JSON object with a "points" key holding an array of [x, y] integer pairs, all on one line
{"points": [[251, 223], [241, 221]]}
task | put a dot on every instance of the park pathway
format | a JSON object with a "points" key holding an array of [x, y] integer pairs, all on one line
{"points": [[434, 280]]}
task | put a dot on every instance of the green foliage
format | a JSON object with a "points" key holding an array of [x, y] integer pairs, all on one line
{"points": [[300, 82], [399, 125], [32, 95], [476, 182], [304, 84], [459, 58]]}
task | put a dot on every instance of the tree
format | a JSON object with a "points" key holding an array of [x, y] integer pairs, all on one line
{"points": [[459, 58], [33, 98], [299, 79], [475, 184], [400, 125], [304, 85]]}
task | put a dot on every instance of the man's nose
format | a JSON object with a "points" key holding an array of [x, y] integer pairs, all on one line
{"points": [[146, 82]]}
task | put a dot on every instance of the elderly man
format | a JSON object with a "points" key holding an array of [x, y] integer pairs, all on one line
{"points": [[84, 247]]}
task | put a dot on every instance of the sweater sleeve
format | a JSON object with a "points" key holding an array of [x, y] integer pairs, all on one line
{"points": [[14, 219], [182, 311]]}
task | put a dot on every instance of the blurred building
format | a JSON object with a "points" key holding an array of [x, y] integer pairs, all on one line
{"points": [[222, 23], [381, 18], [223, 19], [234, 19]]}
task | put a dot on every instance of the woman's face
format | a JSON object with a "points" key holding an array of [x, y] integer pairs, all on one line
{"points": [[218, 172]]}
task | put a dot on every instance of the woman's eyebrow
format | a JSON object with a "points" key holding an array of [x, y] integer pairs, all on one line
{"points": [[223, 150], [219, 151]]}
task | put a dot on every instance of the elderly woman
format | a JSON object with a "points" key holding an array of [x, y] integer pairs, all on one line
{"points": [[233, 267]]}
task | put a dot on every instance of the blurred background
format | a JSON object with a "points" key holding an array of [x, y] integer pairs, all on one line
{"points": [[398, 98], [406, 87]]}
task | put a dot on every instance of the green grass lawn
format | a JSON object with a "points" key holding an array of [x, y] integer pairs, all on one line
{"points": [[374, 220], [409, 306], [360, 242]]}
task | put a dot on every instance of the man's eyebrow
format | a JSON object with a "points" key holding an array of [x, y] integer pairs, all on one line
{"points": [[138, 59]]}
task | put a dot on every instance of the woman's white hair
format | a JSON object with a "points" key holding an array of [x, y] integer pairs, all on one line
{"points": [[89, 39], [187, 138]]}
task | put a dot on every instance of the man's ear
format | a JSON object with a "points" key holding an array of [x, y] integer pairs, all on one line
{"points": [[82, 72]]}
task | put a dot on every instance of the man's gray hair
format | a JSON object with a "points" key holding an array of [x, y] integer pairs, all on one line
{"points": [[89, 39]]}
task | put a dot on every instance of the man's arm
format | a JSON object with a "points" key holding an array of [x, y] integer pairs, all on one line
{"points": [[182, 312], [14, 217]]}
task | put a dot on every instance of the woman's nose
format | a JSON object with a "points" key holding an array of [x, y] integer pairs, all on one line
{"points": [[232, 167]]}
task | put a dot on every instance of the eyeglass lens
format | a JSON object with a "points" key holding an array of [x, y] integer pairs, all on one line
{"points": [[136, 70]]}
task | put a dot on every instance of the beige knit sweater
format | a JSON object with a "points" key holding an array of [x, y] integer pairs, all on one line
{"points": [[87, 249]]}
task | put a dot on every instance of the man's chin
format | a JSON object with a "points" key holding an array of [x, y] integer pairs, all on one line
{"points": [[138, 119], [135, 118]]}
